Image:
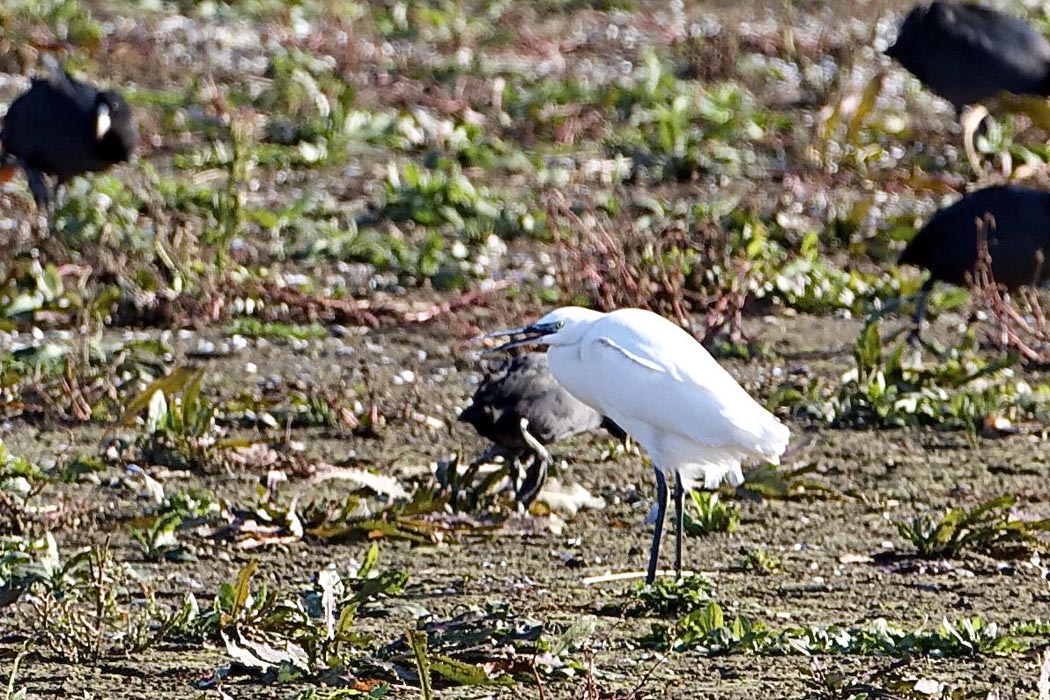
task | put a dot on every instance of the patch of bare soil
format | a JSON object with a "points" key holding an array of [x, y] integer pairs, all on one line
{"points": [[829, 546]]}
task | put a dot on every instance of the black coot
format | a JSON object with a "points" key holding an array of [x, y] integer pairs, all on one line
{"points": [[1016, 223], [62, 127], [968, 53]]}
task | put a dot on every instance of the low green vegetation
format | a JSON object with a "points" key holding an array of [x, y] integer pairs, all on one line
{"points": [[988, 528], [672, 596], [708, 631], [963, 390], [710, 514], [239, 357]]}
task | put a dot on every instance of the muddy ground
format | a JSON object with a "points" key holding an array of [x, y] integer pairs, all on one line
{"points": [[873, 479], [843, 561]]}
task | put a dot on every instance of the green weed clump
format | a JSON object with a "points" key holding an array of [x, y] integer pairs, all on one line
{"points": [[180, 429], [889, 390], [316, 633], [988, 528], [672, 596], [67, 20], [21, 483], [894, 388], [86, 607], [710, 514], [760, 560], [254, 328], [708, 631], [718, 256]]}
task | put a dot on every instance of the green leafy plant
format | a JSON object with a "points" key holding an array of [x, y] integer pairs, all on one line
{"points": [[254, 328], [987, 527], [771, 482], [965, 637], [759, 560], [78, 384], [706, 630], [180, 429], [21, 483], [710, 514], [960, 391], [315, 629], [69, 20], [89, 606], [697, 130], [307, 101], [667, 596], [158, 541], [417, 641], [463, 650]]}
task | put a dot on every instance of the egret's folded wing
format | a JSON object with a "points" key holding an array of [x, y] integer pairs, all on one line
{"points": [[634, 357], [690, 395]]}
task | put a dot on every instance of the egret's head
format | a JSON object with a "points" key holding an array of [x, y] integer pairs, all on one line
{"points": [[564, 326]]}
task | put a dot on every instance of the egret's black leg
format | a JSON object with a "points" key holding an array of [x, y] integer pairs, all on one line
{"points": [[658, 528], [536, 476], [920, 311], [679, 519]]}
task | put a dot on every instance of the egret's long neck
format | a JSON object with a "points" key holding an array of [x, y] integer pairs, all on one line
{"points": [[571, 372]]}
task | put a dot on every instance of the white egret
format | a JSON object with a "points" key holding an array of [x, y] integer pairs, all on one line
{"points": [[664, 389]]}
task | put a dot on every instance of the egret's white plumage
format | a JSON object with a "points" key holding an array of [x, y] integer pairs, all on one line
{"points": [[665, 390]]}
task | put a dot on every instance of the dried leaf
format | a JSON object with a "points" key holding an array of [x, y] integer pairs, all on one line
{"points": [[378, 483]]}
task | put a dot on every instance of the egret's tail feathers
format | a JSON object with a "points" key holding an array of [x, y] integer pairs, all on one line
{"points": [[713, 478], [711, 474], [774, 440]]}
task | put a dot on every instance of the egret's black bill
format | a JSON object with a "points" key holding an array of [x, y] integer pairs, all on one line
{"points": [[533, 334]]}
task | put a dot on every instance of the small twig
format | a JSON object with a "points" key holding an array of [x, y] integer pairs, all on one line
{"points": [[539, 681], [590, 689], [646, 677], [1030, 341], [101, 556], [14, 671]]}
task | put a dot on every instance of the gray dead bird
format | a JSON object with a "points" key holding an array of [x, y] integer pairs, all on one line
{"points": [[62, 127], [522, 408], [967, 53], [1016, 223]]}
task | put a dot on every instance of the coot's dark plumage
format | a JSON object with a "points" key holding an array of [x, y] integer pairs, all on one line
{"points": [[62, 127], [1018, 238], [968, 53], [522, 409]]}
